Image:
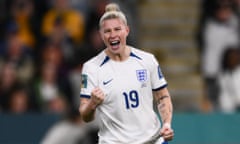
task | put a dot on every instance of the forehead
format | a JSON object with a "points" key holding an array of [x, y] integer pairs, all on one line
{"points": [[112, 23]]}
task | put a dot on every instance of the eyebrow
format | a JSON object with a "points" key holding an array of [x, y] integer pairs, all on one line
{"points": [[107, 29]]}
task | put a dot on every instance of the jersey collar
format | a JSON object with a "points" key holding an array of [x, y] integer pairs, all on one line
{"points": [[134, 55], [107, 58]]}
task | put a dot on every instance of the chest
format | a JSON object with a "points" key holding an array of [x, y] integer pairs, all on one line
{"points": [[123, 75], [125, 84]]}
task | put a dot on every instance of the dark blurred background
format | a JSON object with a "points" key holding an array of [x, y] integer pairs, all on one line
{"points": [[43, 44]]}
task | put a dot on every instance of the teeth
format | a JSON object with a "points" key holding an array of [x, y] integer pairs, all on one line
{"points": [[114, 42]]}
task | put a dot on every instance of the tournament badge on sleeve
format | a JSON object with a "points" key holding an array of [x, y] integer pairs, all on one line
{"points": [[142, 76], [84, 81]]}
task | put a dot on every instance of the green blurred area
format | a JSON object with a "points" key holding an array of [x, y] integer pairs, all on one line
{"points": [[190, 128], [214, 128]]}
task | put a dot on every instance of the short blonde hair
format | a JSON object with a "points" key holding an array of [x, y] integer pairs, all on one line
{"points": [[112, 11]]}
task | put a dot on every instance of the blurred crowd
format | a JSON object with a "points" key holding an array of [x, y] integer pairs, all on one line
{"points": [[218, 42], [43, 44]]}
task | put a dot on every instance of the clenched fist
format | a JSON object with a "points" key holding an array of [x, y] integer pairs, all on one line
{"points": [[97, 96], [167, 132]]}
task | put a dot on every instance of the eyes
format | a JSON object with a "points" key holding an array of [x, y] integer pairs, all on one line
{"points": [[116, 29]]}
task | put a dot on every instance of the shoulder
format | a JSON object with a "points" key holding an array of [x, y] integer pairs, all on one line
{"points": [[95, 62], [142, 54]]}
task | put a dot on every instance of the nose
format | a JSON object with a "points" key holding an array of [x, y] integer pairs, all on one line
{"points": [[112, 34]]}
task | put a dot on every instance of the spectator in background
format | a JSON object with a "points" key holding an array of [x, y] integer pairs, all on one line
{"points": [[206, 12], [58, 105], [8, 81], [16, 53], [229, 81], [70, 131], [60, 38], [50, 94], [52, 54], [23, 15], [73, 21], [220, 31], [19, 101], [64, 26]]}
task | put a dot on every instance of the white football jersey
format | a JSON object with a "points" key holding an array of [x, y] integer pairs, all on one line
{"points": [[126, 114]]}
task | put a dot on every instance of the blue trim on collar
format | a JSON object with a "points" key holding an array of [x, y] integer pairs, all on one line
{"points": [[105, 60], [133, 55]]}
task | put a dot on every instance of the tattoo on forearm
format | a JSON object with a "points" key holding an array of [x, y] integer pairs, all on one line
{"points": [[161, 106], [161, 98], [164, 109]]}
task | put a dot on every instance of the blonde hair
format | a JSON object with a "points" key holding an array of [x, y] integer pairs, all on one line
{"points": [[112, 11]]}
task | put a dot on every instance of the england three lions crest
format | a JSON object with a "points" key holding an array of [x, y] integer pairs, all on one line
{"points": [[142, 76]]}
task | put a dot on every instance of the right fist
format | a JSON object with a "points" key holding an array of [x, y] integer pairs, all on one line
{"points": [[97, 96]]}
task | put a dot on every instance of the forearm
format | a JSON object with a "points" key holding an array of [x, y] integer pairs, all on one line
{"points": [[88, 106], [164, 105], [165, 110], [87, 111]]}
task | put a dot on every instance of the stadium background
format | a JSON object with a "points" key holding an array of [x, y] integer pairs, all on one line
{"points": [[167, 28]]}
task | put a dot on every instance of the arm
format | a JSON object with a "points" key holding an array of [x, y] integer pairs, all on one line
{"points": [[88, 106], [165, 108]]}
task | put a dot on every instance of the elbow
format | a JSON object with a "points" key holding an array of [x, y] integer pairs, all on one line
{"points": [[87, 120], [85, 117]]}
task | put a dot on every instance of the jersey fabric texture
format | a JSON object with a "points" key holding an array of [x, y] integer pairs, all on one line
{"points": [[126, 114]]}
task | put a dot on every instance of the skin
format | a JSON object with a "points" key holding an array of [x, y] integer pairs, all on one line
{"points": [[164, 104], [116, 30]]}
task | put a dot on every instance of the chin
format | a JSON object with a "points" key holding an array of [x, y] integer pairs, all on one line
{"points": [[115, 50]]}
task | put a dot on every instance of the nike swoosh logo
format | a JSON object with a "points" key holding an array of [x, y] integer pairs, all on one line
{"points": [[106, 82]]}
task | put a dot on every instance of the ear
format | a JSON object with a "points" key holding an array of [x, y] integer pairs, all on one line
{"points": [[127, 30]]}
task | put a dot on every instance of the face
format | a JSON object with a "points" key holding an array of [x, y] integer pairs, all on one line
{"points": [[224, 14], [19, 102], [114, 33]]}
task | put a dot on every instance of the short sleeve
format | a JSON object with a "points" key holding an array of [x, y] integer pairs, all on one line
{"points": [[88, 80], [157, 79]]}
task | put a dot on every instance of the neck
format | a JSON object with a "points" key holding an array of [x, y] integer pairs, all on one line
{"points": [[122, 56]]}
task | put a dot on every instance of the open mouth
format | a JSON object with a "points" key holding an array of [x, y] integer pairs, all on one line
{"points": [[115, 43]]}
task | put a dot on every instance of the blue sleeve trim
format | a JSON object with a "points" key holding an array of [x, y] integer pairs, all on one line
{"points": [[85, 96], [160, 87]]}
